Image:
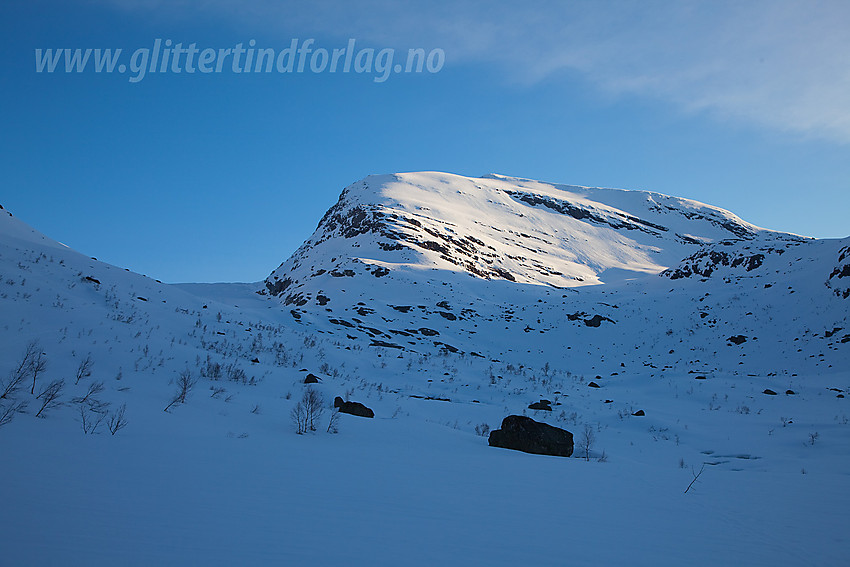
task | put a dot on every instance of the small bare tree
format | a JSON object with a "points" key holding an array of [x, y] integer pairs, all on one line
{"points": [[91, 416], [11, 385], [38, 364], [333, 424], [94, 388], [8, 411], [298, 418], [21, 371], [50, 396], [586, 440], [185, 383], [117, 421], [308, 411], [696, 475], [84, 369]]}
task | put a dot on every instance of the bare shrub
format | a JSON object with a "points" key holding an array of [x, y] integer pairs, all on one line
{"points": [[84, 369], [94, 389], [38, 364], [307, 411], [50, 396], [8, 411], [23, 370], [117, 421], [333, 424], [696, 475], [91, 416], [586, 440], [185, 383]]}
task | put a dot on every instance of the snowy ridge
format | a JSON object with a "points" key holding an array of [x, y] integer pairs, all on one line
{"points": [[12, 229]]}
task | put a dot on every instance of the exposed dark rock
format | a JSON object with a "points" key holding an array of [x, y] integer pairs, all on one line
{"points": [[435, 246], [614, 220], [92, 280], [596, 320], [737, 339], [594, 385], [639, 413], [790, 392], [278, 286], [522, 433], [503, 273], [541, 405], [353, 408], [769, 392], [435, 398], [311, 379], [385, 344], [344, 273]]}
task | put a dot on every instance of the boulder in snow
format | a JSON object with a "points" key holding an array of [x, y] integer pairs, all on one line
{"points": [[522, 433], [352, 408]]}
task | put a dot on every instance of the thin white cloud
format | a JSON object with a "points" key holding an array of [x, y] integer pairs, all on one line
{"points": [[784, 65]]}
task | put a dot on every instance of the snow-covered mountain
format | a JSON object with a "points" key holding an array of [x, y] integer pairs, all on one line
{"points": [[682, 337], [499, 227], [487, 265]]}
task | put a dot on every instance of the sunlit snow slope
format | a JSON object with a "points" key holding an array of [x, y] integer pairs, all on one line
{"points": [[504, 228], [493, 265]]}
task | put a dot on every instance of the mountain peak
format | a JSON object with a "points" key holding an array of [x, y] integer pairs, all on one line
{"points": [[500, 227]]}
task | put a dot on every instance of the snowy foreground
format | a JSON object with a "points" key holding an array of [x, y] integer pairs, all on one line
{"points": [[442, 344]]}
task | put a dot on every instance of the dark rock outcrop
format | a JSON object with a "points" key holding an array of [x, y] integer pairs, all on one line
{"points": [[522, 433], [352, 408], [541, 405], [311, 379]]}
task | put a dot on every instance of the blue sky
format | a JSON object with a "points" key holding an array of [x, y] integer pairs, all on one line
{"points": [[219, 177]]}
